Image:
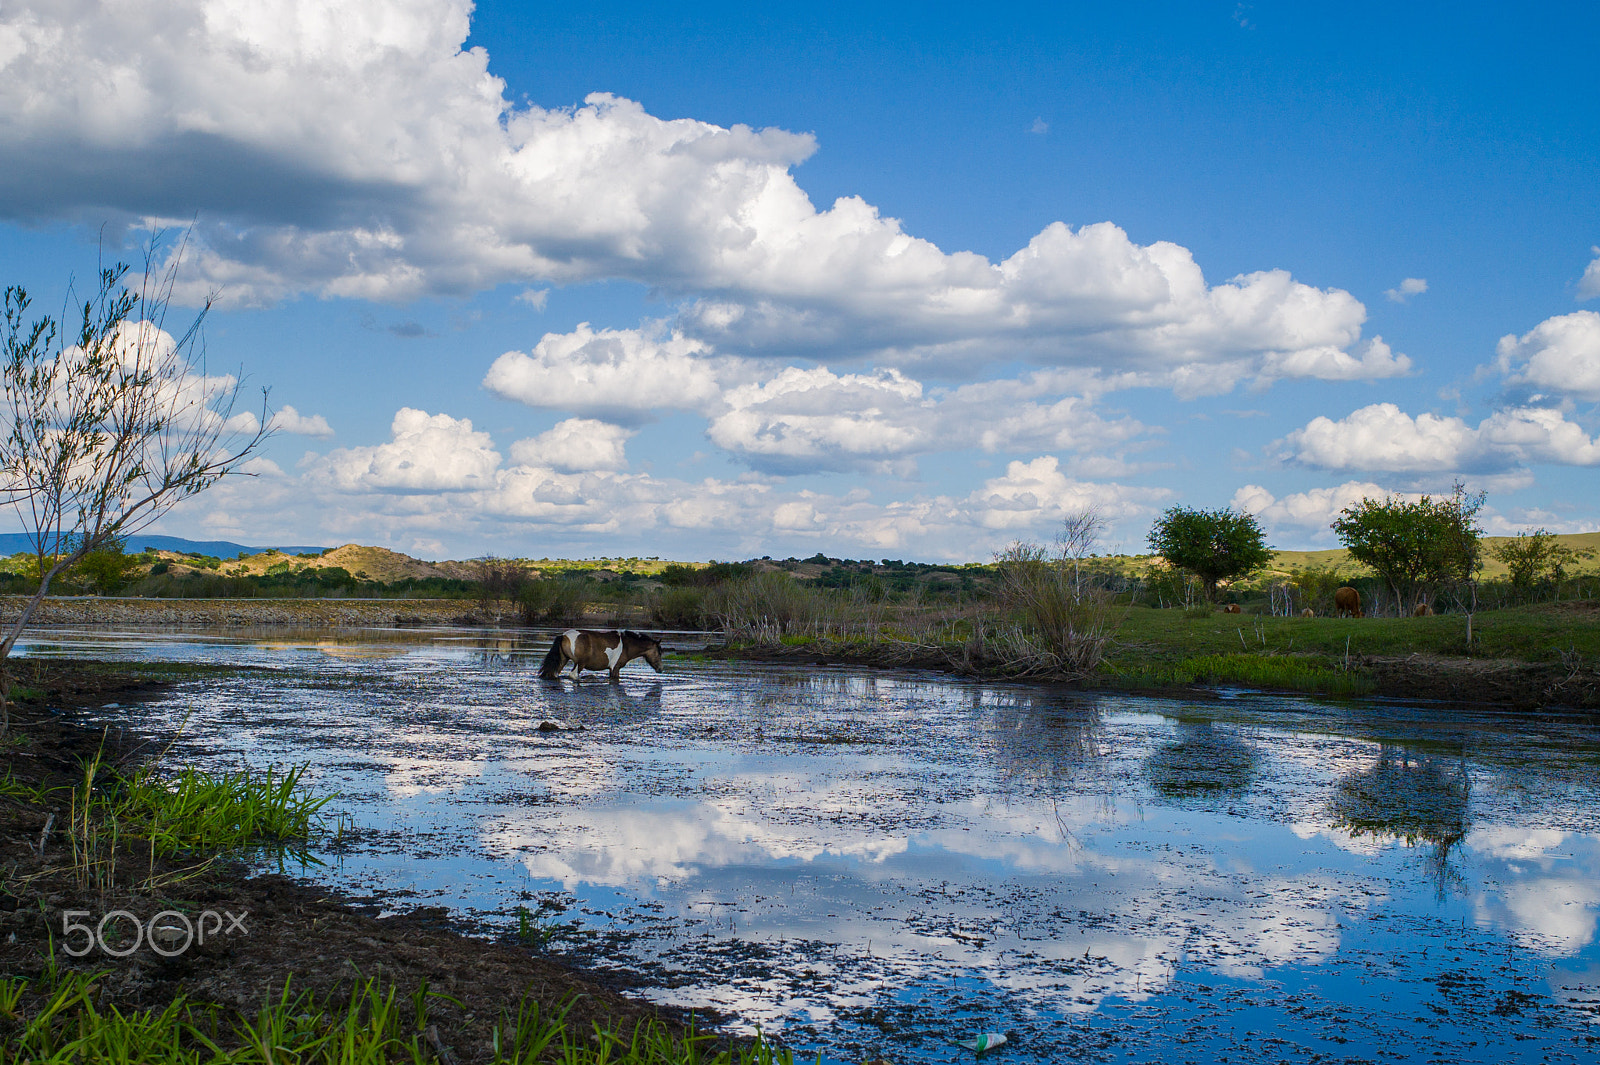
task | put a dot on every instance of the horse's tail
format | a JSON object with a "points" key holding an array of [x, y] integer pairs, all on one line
{"points": [[552, 661]]}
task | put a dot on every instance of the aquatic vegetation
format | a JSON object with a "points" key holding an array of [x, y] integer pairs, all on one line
{"points": [[192, 812]]}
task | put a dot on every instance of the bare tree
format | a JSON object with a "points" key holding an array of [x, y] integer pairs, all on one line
{"points": [[1064, 626], [1080, 532], [500, 581], [105, 434]]}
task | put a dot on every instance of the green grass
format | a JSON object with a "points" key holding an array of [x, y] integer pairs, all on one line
{"points": [[199, 811], [1295, 673], [1154, 638], [191, 813], [63, 1021]]}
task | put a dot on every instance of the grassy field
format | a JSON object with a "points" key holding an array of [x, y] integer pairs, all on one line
{"points": [[1537, 633]]}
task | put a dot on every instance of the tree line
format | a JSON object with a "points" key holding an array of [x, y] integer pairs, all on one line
{"points": [[1416, 548]]}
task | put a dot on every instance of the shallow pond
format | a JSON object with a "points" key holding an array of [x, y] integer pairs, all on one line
{"points": [[878, 864]]}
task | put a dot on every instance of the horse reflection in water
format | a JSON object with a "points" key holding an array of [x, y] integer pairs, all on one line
{"points": [[609, 651]]}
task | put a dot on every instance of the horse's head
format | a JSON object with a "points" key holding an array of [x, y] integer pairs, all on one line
{"points": [[652, 654]]}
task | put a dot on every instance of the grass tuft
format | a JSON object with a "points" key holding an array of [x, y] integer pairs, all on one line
{"points": [[60, 1022], [1281, 672]]}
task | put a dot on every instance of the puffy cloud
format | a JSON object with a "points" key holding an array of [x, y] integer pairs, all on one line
{"points": [[428, 453], [438, 479], [1589, 283], [814, 419], [1035, 494], [1383, 437], [795, 420], [1314, 509], [290, 420], [1367, 361], [619, 374], [574, 446], [356, 150], [1411, 286], [1561, 354]]}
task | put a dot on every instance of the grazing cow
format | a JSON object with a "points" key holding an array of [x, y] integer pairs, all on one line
{"points": [[610, 651], [1231, 608], [1308, 613], [1423, 611], [1347, 601]]}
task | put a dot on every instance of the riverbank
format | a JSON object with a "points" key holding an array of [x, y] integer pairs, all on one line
{"points": [[224, 613], [1522, 658], [62, 871]]}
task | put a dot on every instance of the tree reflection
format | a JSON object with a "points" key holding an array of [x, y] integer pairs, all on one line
{"points": [[1419, 799], [1048, 743], [1204, 761]]}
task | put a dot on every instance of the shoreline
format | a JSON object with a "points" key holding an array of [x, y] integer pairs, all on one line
{"points": [[298, 934], [1502, 682], [333, 613], [1499, 683]]}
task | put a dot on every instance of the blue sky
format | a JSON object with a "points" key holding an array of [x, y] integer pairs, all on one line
{"points": [[879, 281]]}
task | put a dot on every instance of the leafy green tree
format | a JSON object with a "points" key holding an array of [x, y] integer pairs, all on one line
{"points": [[1413, 545], [1214, 545], [1536, 557], [105, 569]]}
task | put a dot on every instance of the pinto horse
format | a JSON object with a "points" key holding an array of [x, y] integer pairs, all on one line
{"points": [[588, 649]]}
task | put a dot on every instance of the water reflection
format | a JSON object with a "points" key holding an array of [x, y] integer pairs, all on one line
{"points": [[841, 855], [1205, 760], [1417, 798], [1043, 744]]}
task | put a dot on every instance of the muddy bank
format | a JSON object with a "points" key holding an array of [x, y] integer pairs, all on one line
{"points": [[285, 931], [1474, 681], [1492, 681]]}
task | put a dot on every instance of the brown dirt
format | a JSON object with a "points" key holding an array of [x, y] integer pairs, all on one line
{"points": [[294, 932], [1479, 681]]}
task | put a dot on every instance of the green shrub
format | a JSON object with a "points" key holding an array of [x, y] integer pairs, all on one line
{"points": [[679, 608], [552, 601]]}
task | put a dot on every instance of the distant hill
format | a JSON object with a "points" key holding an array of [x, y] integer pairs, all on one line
{"points": [[13, 543]]}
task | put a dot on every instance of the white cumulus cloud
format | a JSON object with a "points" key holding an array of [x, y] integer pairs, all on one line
{"points": [[1035, 494], [1383, 437], [429, 453], [619, 374], [574, 446], [290, 420], [815, 419], [1314, 509], [1589, 283], [355, 150], [1561, 354], [1411, 286], [795, 420]]}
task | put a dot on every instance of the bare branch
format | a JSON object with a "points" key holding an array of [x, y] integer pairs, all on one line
{"points": [[107, 434]]}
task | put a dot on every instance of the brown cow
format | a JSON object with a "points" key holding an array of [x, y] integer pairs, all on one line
{"points": [[1347, 601], [1423, 611], [1231, 608]]}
